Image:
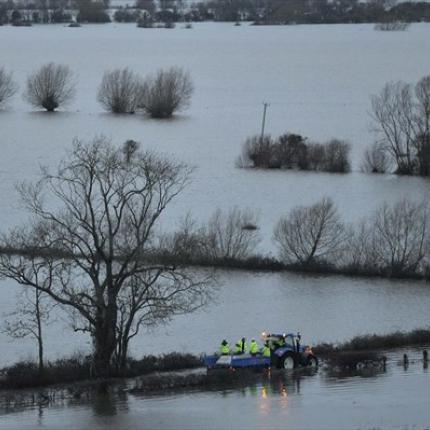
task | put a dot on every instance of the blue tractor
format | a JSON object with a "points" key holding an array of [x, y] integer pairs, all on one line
{"points": [[286, 352]]}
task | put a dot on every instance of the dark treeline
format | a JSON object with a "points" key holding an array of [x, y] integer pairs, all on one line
{"points": [[317, 11], [392, 242], [258, 11], [20, 13]]}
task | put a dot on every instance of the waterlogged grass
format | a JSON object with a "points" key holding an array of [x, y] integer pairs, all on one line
{"points": [[372, 342], [360, 349], [78, 368]]}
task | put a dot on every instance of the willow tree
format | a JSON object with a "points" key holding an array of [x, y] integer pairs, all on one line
{"points": [[91, 244]]}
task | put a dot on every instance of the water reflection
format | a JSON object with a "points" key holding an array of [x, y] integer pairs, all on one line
{"points": [[311, 398]]}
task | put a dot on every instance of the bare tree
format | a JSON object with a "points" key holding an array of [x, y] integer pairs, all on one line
{"points": [[392, 112], [422, 119], [337, 156], [229, 235], [166, 92], [50, 87], [310, 234], [93, 240], [8, 86], [120, 91], [32, 312], [399, 236], [375, 159]]}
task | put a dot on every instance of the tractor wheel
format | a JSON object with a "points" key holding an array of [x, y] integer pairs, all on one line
{"points": [[312, 361], [287, 361]]}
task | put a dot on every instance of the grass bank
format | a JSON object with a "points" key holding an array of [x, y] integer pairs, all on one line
{"points": [[25, 374], [259, 263], [271, 264], [78, 368]]}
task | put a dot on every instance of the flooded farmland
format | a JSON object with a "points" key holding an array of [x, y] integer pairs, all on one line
{"points": [[318, 81], [394, 399]]}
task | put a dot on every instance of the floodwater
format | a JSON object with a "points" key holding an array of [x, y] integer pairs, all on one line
{"points": [[394, 399], [318, 81], [324, 309]]}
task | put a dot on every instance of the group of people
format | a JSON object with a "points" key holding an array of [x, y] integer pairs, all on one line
{"points": [[241, 347]]}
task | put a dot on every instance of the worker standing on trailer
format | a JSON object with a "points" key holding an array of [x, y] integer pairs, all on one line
{"points": [[266, 350], [241, 347], [253, 347], [224, 349]]}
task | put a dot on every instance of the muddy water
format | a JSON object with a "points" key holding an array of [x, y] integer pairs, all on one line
{"points": [[394, 399]]}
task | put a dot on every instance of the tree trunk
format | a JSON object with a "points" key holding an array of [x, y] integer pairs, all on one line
{"points": [[39, 332], [104, 337], [123, 356]]}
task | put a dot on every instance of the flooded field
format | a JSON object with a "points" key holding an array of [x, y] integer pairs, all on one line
{"points": [[395, 399], [318, 81], [324, 309]]}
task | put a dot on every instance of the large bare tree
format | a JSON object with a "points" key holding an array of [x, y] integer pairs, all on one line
{"points": [[91, 243]]}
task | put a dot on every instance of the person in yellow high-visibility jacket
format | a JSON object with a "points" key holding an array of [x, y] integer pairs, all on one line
{"points": [[241, 347], [266, 350], [224, 349], [253, 347]]}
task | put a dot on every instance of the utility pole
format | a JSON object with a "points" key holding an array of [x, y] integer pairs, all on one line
{"points": [[265, 105]]}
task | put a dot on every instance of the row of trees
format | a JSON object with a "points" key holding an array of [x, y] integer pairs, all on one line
{"points": [[394, 241], [121, 91], [259, 11], [53, 11], [312, 12], [292, 151]]}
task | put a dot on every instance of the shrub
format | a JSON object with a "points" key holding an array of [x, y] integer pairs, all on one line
{"points": [[231, 235], [166, 92], [291, 151], [50, 87], [392, 26], [257, 152], [226, 236], [120, 91], [8, 87], [375, 159]]}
